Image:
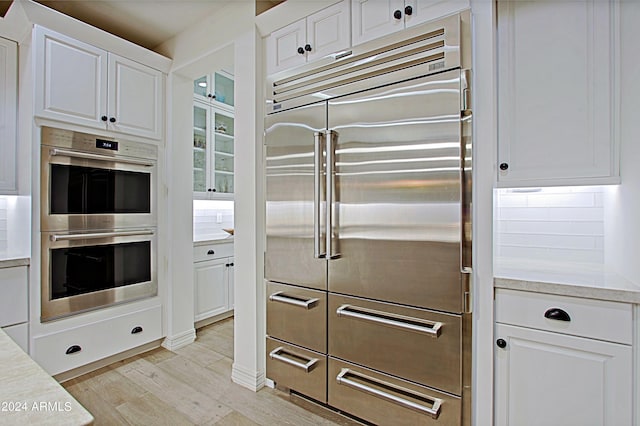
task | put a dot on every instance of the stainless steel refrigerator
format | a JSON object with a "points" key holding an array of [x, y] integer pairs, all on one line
{"points": [[368, 248]]}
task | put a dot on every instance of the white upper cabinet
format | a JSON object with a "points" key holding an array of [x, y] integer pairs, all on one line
{"points": [[8, 110], [306, 40], [557, 92], [82, 84], [371, 19]]}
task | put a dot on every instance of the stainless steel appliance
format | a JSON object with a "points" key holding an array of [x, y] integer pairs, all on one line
{"points": [[368, 253], [98, 222]]}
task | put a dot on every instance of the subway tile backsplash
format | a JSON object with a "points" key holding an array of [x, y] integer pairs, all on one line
{"points": [[15, 227], [564, 224], [210, 217]]}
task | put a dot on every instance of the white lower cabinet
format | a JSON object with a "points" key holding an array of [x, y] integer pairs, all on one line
{"points": [[68, 349], [546, 377], [14, 304], [213, 280]]}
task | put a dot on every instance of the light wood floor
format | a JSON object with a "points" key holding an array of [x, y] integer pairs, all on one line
{"points": [[191, 386]]}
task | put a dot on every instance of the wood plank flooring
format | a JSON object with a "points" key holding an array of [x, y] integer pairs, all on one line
{"points": [[191, 386]]}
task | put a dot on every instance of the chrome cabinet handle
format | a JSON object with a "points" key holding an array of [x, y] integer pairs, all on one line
{"points": [[92, 236], [433, 411], [85, 155], [319, 139], [431, 328], [282, 298], [307, 367]]}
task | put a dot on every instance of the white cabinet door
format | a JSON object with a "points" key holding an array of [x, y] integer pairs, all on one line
{"points": [[375, 18], [544, 378], [557, 79], [328, 31], [428, 10], [8, 115], [211, 288], [14, 301], [71, 79], [136, 100], [283, 45], [306, 40]]}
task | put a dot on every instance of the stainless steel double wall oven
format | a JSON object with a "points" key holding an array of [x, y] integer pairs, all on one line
{"points": [[368, 248], [98, 221]]}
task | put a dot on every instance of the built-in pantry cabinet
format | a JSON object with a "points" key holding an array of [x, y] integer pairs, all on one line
{"points": [[14, 304], [8, 109], [308, 39], [562, 360], [78, 83], [371, 19], [213, 271], [558, 92]]}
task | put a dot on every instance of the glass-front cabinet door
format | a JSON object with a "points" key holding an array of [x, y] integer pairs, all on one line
{"points": [[215, 88], [213, 152]]}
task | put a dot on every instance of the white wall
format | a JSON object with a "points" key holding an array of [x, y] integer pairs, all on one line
{"points": [[622, 203], [211, 217]]}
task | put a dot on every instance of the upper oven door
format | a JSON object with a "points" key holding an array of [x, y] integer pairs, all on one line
{"points": [[85, 190]]}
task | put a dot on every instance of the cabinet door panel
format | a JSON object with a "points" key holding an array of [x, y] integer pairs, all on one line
{"points": [[328, 31], [211, 290], [546, 378], [374, 18], [136, 98], [8, 108], [427, 10], [282, 47], [555, 91], [231, 282], [70, 79]]}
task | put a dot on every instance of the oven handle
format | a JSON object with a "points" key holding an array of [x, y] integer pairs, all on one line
{"points": [[95, 235], [85, 155]]}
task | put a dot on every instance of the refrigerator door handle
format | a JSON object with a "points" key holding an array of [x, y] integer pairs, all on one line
{"points": [[430, 328], [307, 367], [281, 297], [332, 244], [319, 142], [375, 389], [465, 171]]}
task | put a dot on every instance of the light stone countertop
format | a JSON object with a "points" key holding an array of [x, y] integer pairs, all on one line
{"points": [[30, 396], [579, 280], [206, 239], [16, 261]]}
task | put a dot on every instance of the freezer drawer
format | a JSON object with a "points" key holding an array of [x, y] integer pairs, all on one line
{"points": [[297, 315], [296, 368], [415, 344], [386, 400]]}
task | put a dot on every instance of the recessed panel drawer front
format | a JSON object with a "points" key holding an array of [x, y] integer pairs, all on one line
{"points": [[597, 319], [297, 315], [386, 400], [297, 368], [415, 344]]}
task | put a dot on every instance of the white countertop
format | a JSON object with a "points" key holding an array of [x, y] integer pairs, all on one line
{"points": [[580, 280], [203, 239], [10, 262], [30, 396]]}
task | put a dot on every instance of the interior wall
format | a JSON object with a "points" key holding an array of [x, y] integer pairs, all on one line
{"points": [[622, 203]]}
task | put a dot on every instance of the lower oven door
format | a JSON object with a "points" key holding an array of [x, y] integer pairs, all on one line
{"points": [[84, 271]]}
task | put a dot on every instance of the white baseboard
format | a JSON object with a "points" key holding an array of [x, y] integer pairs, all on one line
{"points": [[253, 380], [181, 340]]}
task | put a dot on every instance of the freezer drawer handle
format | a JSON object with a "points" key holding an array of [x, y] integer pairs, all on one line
{"points": [[433, 411], [307, 367], [430, 328], [293, 300]]}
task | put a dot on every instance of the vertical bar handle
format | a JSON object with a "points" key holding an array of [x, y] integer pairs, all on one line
{"points": [[318, 146], [465, 171], [331, 245]]}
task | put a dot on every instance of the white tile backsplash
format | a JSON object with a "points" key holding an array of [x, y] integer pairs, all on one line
{"points": [[15, 227], [210, 217], [563, 224]]}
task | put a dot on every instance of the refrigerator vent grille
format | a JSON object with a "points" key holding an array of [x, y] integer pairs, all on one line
{"points": [[435, 46]]}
